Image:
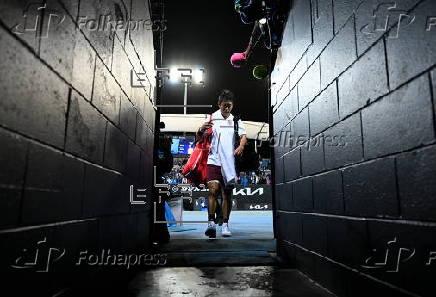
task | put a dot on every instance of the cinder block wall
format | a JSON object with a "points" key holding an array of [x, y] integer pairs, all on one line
{"points": [[358, 178], [74, 134]]}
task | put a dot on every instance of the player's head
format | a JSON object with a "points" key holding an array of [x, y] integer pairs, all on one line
{"points": [[226, 100]]}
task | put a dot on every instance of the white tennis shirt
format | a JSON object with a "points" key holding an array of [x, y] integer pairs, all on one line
{"points": [[222, 145]]}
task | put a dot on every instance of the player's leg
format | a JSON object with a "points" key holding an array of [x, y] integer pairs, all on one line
{"points": [[219, 211], [214, 187], [227, 203], [227, 207]]}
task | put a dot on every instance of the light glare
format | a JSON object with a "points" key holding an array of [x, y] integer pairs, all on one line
{"points": [[174, 74]]}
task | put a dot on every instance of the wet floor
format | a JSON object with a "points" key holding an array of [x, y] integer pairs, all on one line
{"points": [[250, 281], [245, 264]]}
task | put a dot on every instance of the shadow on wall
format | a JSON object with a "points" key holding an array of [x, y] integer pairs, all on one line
{"points": [[75, 136], [358, 218]]}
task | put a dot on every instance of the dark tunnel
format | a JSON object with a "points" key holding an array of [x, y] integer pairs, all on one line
{"points": [[113, 180]]}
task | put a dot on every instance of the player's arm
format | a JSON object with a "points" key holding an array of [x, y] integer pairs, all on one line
{"points": [[242, 143], [243, 140], [203, 128]]}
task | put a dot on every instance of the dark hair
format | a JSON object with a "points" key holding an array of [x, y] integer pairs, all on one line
{"points": [[226, 95]]}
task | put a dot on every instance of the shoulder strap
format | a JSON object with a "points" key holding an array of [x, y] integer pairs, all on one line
{"points": [[236, 123]]}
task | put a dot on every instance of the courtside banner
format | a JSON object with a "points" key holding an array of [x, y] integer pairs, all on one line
{"points": [[254, 197]]}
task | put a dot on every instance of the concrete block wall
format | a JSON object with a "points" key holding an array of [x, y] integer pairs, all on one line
{"points": [[355, 151], [74, 134]]}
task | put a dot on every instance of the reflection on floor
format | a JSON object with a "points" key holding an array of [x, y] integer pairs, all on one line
{"points": [[245, 264], [265, 281], [244, 224]]}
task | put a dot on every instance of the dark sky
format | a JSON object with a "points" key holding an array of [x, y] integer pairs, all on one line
{"points": [[206, 33]]}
